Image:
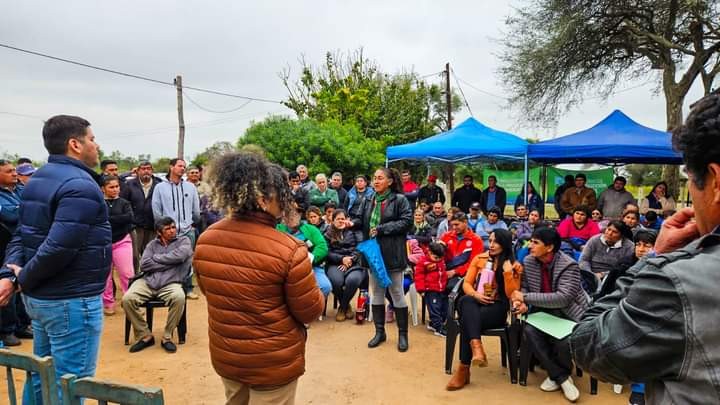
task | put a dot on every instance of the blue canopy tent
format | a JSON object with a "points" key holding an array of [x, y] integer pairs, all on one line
{"points": [[615, 140], [469, 141]]}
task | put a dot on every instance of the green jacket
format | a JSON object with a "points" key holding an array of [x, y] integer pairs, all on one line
{"points": [[312, 237], [318, 198]]}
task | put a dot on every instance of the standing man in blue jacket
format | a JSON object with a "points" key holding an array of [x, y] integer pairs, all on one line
{"points": [[14, 322], [178, 199], [60, 252]]}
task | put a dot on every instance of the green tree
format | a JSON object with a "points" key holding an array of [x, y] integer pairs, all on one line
{"points": [[212, 151], [321, 146], [396, 109], [556, 51]]}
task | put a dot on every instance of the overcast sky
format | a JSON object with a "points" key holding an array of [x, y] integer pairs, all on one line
{"points": [[240, 47]]}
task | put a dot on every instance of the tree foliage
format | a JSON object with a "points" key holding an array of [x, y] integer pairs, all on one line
{"points": [[323, 147], [212, 151], [558, 50], [395, 109], [643, 175]]}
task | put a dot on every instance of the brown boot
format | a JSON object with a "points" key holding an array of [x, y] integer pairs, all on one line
{"points": [[478, 353], [460, 379]]}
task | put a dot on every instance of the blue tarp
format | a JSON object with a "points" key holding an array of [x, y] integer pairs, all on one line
{"points": [[616, 139], [470, 140]]}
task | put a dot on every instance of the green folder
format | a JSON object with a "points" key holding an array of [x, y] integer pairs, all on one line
{"points": [[554, 326]]}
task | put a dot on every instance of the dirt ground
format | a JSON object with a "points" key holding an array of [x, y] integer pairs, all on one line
{"points": [[340, 368]]}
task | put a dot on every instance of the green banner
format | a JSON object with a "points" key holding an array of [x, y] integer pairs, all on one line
{"points": [[598, 180], [512, 180]]}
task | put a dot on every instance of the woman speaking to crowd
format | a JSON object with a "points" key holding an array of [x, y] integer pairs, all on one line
{"points": [[388, 217]]}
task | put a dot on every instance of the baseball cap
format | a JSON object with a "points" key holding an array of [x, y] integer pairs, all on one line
{"points": [[25, 169], [475, 206], [432, 178]]}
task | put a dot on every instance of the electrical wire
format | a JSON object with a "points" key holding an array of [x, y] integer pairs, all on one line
{"points": [[134, 76], [462, 92], [478, 89], [22, 115], [187, 96]]}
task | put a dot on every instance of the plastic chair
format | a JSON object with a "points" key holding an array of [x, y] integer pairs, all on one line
{"points": [[149, 306], [507, 335]]}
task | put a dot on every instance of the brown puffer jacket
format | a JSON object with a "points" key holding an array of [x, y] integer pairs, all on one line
{"points": [[260, 290]]}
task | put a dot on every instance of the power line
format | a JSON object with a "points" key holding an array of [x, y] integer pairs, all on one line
{"points": [[462, 92], [187, 96], [431, 74], [22, 115], [134, 76], [478, 89]]}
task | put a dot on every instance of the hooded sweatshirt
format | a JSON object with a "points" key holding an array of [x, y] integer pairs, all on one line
{"points": [[177, 201]]}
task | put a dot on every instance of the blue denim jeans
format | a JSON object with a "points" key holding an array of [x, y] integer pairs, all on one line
{"points": [[68, 330], [322, 280]]}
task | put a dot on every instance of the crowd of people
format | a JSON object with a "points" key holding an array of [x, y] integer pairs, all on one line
{"points": [[251, 230]]}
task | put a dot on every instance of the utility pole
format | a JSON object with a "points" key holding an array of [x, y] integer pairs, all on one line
{"points": [[181, 119], [448, 101], [448, 96]]}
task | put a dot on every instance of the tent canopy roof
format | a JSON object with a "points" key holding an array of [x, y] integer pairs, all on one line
{"points": [[616, 139], [471, 140]]}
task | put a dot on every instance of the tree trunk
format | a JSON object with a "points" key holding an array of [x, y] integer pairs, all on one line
{"points": [[674, 98]]}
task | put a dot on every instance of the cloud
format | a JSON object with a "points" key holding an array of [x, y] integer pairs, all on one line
{"points": [[240, 47]]}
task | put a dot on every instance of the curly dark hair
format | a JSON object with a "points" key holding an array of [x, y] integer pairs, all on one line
{"points": [[699, 138], [239, 178]]}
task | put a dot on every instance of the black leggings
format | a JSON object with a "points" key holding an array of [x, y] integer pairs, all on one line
{"points": [[475, 318], [350, 280]]}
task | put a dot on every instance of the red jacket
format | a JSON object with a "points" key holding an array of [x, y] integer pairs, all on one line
{"points": [[470, 246], [430, 275]]}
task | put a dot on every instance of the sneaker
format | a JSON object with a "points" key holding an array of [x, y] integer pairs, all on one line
{"points": [[340, 316], [10, 340], [430, 328], [569, 390], [109, 311], [192, 296], [549, 385], [442, 332], [636, 398]]}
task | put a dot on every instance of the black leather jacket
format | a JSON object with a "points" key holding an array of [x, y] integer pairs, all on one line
{"points": [[395, 223]]}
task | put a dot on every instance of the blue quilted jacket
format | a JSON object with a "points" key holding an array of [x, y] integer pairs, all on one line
{"points": [[63, 239]]}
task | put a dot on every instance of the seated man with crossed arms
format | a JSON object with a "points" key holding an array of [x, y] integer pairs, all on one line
{"points": [[164, 265]]}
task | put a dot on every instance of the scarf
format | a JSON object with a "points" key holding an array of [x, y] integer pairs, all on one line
{"points": [[376, 212]]}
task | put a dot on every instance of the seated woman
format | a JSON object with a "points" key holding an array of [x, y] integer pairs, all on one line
{"points": [[658, 201], [551, 283], [421, 230], [315, 217], [525, 229], [608, 251], [632, 220], [484, 307], [534, 200], [342, 263], [316, 245], [578, 228]]}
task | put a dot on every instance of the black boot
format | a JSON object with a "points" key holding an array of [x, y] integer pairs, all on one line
{"points": [[401, 316], [378, 313]]}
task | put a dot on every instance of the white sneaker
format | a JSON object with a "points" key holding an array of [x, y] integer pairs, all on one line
{"points": [[549, 385], [569, 390]]}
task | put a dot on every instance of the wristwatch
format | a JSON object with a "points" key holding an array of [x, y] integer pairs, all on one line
{"points": [[14, 280]]}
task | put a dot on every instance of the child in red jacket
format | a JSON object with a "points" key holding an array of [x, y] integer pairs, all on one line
{"points": [[431, 280]]}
